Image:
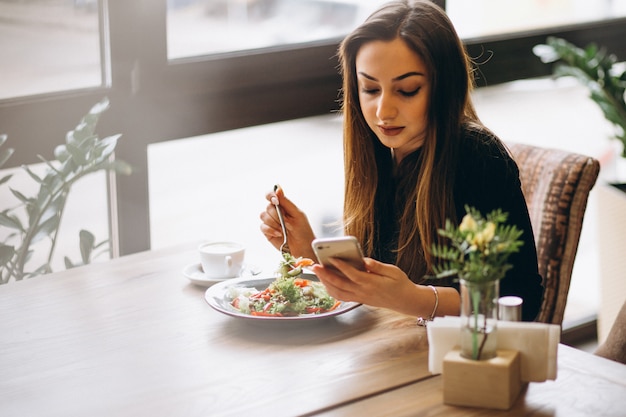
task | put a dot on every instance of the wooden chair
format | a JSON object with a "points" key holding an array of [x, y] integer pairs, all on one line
{"points": [[556, 185]]}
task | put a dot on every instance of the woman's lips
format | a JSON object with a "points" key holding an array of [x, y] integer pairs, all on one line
{"points": [[390, 130]]}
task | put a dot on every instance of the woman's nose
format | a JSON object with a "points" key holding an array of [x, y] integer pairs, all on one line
{"points": [[386, 109]]}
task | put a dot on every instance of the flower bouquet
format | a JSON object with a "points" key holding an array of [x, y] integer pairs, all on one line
{"points": [[477, 255]]}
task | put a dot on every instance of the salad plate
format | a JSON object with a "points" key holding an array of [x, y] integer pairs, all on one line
{"points": [[221, 295]]}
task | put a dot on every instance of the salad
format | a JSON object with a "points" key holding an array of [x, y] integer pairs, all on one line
{"points": [[290, 294]]}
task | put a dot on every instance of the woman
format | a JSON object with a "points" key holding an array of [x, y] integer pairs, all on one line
{"points": [[415, 154]]}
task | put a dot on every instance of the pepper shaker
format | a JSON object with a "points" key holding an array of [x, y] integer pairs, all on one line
{"points": [[510, 308]]}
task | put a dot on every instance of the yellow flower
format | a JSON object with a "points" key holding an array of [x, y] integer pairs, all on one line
{"points": [[489, 232], [482, 238], [480, 247], [468, 224]]}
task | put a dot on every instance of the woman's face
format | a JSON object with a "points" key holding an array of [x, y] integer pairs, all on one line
{"points": [[394, 94]]}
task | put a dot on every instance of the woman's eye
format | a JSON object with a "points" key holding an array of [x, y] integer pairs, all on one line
{"points": [[369, 90], [410, 93]]}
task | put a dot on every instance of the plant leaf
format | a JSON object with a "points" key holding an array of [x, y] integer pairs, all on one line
{"points": [[77, 154], [100, 107], [68, 263], [87, 241], [61, 153], [5, 155], [34, 176], [5, 178], [6, 254], [12, 222], [106, 147], [20, 196], [46, 228]]}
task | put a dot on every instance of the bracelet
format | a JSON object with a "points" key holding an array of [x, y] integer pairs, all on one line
{"points": [[422, 321]]}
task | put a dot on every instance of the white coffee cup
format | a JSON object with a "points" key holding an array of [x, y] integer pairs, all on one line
{"points": [[221, 260]]}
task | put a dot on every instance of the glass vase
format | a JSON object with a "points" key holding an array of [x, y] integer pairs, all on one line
{"points": [[479, 317]]}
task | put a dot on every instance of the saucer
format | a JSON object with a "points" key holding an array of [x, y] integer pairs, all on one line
{"points": [[195, 274]]}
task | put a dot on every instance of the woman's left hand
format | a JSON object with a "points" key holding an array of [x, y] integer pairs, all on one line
{"points": [[383, 285]]}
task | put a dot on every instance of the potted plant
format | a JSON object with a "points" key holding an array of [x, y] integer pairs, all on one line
{"points": [[38, 217], [599, 71], [605, 78], [477, 255]]}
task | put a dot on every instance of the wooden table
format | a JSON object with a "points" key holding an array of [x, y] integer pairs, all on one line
{"points": [[586, 385], [132, 337]]}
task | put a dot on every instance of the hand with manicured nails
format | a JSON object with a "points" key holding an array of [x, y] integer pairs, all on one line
{"points": [[299, 231]]}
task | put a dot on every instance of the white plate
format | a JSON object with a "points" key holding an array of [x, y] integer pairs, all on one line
{"points": [[194, 273], [218, 297]]}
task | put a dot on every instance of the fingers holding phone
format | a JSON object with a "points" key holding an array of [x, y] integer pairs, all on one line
{"points": [[345, 248]]}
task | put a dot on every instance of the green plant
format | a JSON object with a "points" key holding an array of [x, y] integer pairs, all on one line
{"points": [[596, 69], [479, 247], [38, 217], [477, 254]]}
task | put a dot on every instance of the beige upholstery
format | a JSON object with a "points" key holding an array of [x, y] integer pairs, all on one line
{"points": [[614, 347], [556, 186]]}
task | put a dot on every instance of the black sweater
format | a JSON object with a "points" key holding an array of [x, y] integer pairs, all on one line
{"points": [[486, 179]]}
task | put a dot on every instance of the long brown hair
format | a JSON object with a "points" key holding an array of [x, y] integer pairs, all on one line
{"points": [[427, 30]]}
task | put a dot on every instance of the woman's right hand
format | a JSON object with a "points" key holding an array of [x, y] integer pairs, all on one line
{"points": [[299, 231], [387, 286]]}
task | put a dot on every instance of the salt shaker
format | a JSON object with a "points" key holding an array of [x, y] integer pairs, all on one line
{"points": [[510, 308]]}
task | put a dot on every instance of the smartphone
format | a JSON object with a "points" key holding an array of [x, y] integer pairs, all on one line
{"points": [[346, 248]]}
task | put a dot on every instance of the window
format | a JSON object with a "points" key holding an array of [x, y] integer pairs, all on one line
{"points": [[49, 46], [473, 18], [200, 27]]}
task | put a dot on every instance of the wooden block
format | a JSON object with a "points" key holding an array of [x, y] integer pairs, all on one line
{"points": [[493, 383]]}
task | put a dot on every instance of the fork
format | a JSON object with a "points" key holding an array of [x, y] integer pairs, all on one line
{"points": [[284, 248]]}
